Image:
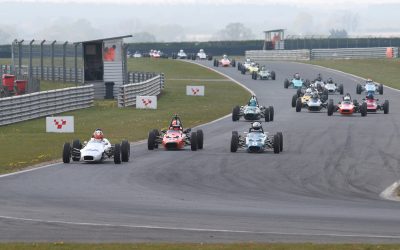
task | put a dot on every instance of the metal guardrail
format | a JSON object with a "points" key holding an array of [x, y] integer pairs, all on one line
{"points": [[278, 55], [25, 107], [135, 77], [342, 53], [127, 94], [353, 53]]}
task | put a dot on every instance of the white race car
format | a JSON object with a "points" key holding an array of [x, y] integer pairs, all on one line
{"points": [[203, 56], [96, 151], [180, 55]]}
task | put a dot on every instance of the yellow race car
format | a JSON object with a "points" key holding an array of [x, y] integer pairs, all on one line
{"points": [[304, 99], [253, 67]]}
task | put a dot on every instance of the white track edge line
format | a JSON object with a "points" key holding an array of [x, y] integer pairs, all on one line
{"points": [[200, 229]]}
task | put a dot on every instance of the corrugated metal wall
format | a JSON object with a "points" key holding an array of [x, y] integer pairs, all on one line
{"points": [[114, 71]]}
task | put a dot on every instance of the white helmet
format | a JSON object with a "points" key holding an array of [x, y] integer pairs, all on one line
{"points": [[256, 125], [308, 91]]}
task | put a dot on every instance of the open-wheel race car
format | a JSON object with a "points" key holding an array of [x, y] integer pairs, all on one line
{"points": [[97, 149], [256, 140], [253, 67], [263, 74], [201, 55], [180, 55], [253, 111], [370, 87], [175, 137], [244, 65], [224, 62], [296, 82], [313, 103], [347, 107], [330, 86], [374, 106]]}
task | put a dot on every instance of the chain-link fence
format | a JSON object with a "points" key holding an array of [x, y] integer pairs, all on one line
{"points": [[48, 60]]}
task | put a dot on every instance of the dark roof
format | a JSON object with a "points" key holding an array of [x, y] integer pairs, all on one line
{"points": [[277, 30], [104, 39]]}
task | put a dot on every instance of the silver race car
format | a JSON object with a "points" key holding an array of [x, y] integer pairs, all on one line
{"points": [[252, 111]]}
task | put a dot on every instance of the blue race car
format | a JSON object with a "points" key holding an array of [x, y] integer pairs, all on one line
{"points": [[256, 140], [296, 82]]}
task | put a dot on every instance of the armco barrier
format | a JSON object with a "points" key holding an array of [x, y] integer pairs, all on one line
{"points": [[278, 55], [128, 92], [354, 53], [25, 107]]}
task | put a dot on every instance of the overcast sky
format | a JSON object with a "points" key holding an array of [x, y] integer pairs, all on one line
{"points": [[192, 20]]}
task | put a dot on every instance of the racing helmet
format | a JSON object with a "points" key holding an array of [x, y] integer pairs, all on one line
{"points": [[98, 134], [308, 91], [369, 81], [319, 77], [347, 98], [314, 96], [256, 126], [370, 95], [297, 76], [175, 125], [329, 80]]}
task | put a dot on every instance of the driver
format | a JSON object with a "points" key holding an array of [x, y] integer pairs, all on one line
{"points": [[330, 81], [369, 81], [253, 101], [98, 136], [297, 76], [319, 78], [256, 127], [370, 96], [347, 98], [315, 96], [176, 124]]}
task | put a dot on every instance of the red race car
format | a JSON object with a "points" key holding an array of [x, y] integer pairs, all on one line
{"points": [[347, 107], [224, 62], [374, 106], [175, 137]]}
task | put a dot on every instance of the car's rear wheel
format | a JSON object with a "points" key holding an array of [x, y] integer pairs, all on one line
{"points": [[340, 89], [298, 104], [236, 113], [299, 93], [358, 88], [193, 141], [280, 141], [125, 150], [234, 141], [67, 152], [271, 113], [276, 144], [286, 84], [200, 139], [151, 140], [294, 99], [273, 75], [77, 145], [380, 88], [386, 107], [330, 108], [117, 153], [363, 109], [266, 115]]}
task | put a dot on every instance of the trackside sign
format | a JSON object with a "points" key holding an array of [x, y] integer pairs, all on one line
{"points": [[195, 90], [146, 102], [60, 124]]}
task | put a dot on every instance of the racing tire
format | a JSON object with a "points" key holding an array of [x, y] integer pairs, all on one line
{"points": [[125, 150], [117, 153], [273, 75], [254, 75], [200, 139], [363, 109], [277, 143], [280, 141], [380, 89], [294, 99], [239, 66], [358, 88], [330, 107], [76, 144], [286, 83], [209, 58], [233, 63], [67, 152], [151, 140], [243, 71], [340, 88], [193, 141], [298, 104], [266, 115], [355, 103], [236, 113], [271, 113], [216, 63], [386, 107], [307, 83], [234, 141]]}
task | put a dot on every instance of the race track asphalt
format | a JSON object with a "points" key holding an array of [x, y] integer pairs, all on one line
{"points": [[324, 186]]}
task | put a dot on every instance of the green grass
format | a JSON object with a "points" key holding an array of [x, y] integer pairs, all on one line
{"points": [[26, 143], [192, 246], [385, 71], [49, 85]]}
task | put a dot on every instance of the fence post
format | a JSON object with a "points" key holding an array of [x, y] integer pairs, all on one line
{"points": [[30, 70], [64, 65], [76, 61], [20, 56], [41, 60], [52, 60]]}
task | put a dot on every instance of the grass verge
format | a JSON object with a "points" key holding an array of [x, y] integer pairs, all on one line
{"points": [[385, 71], [26, 143], [199, 246]]}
